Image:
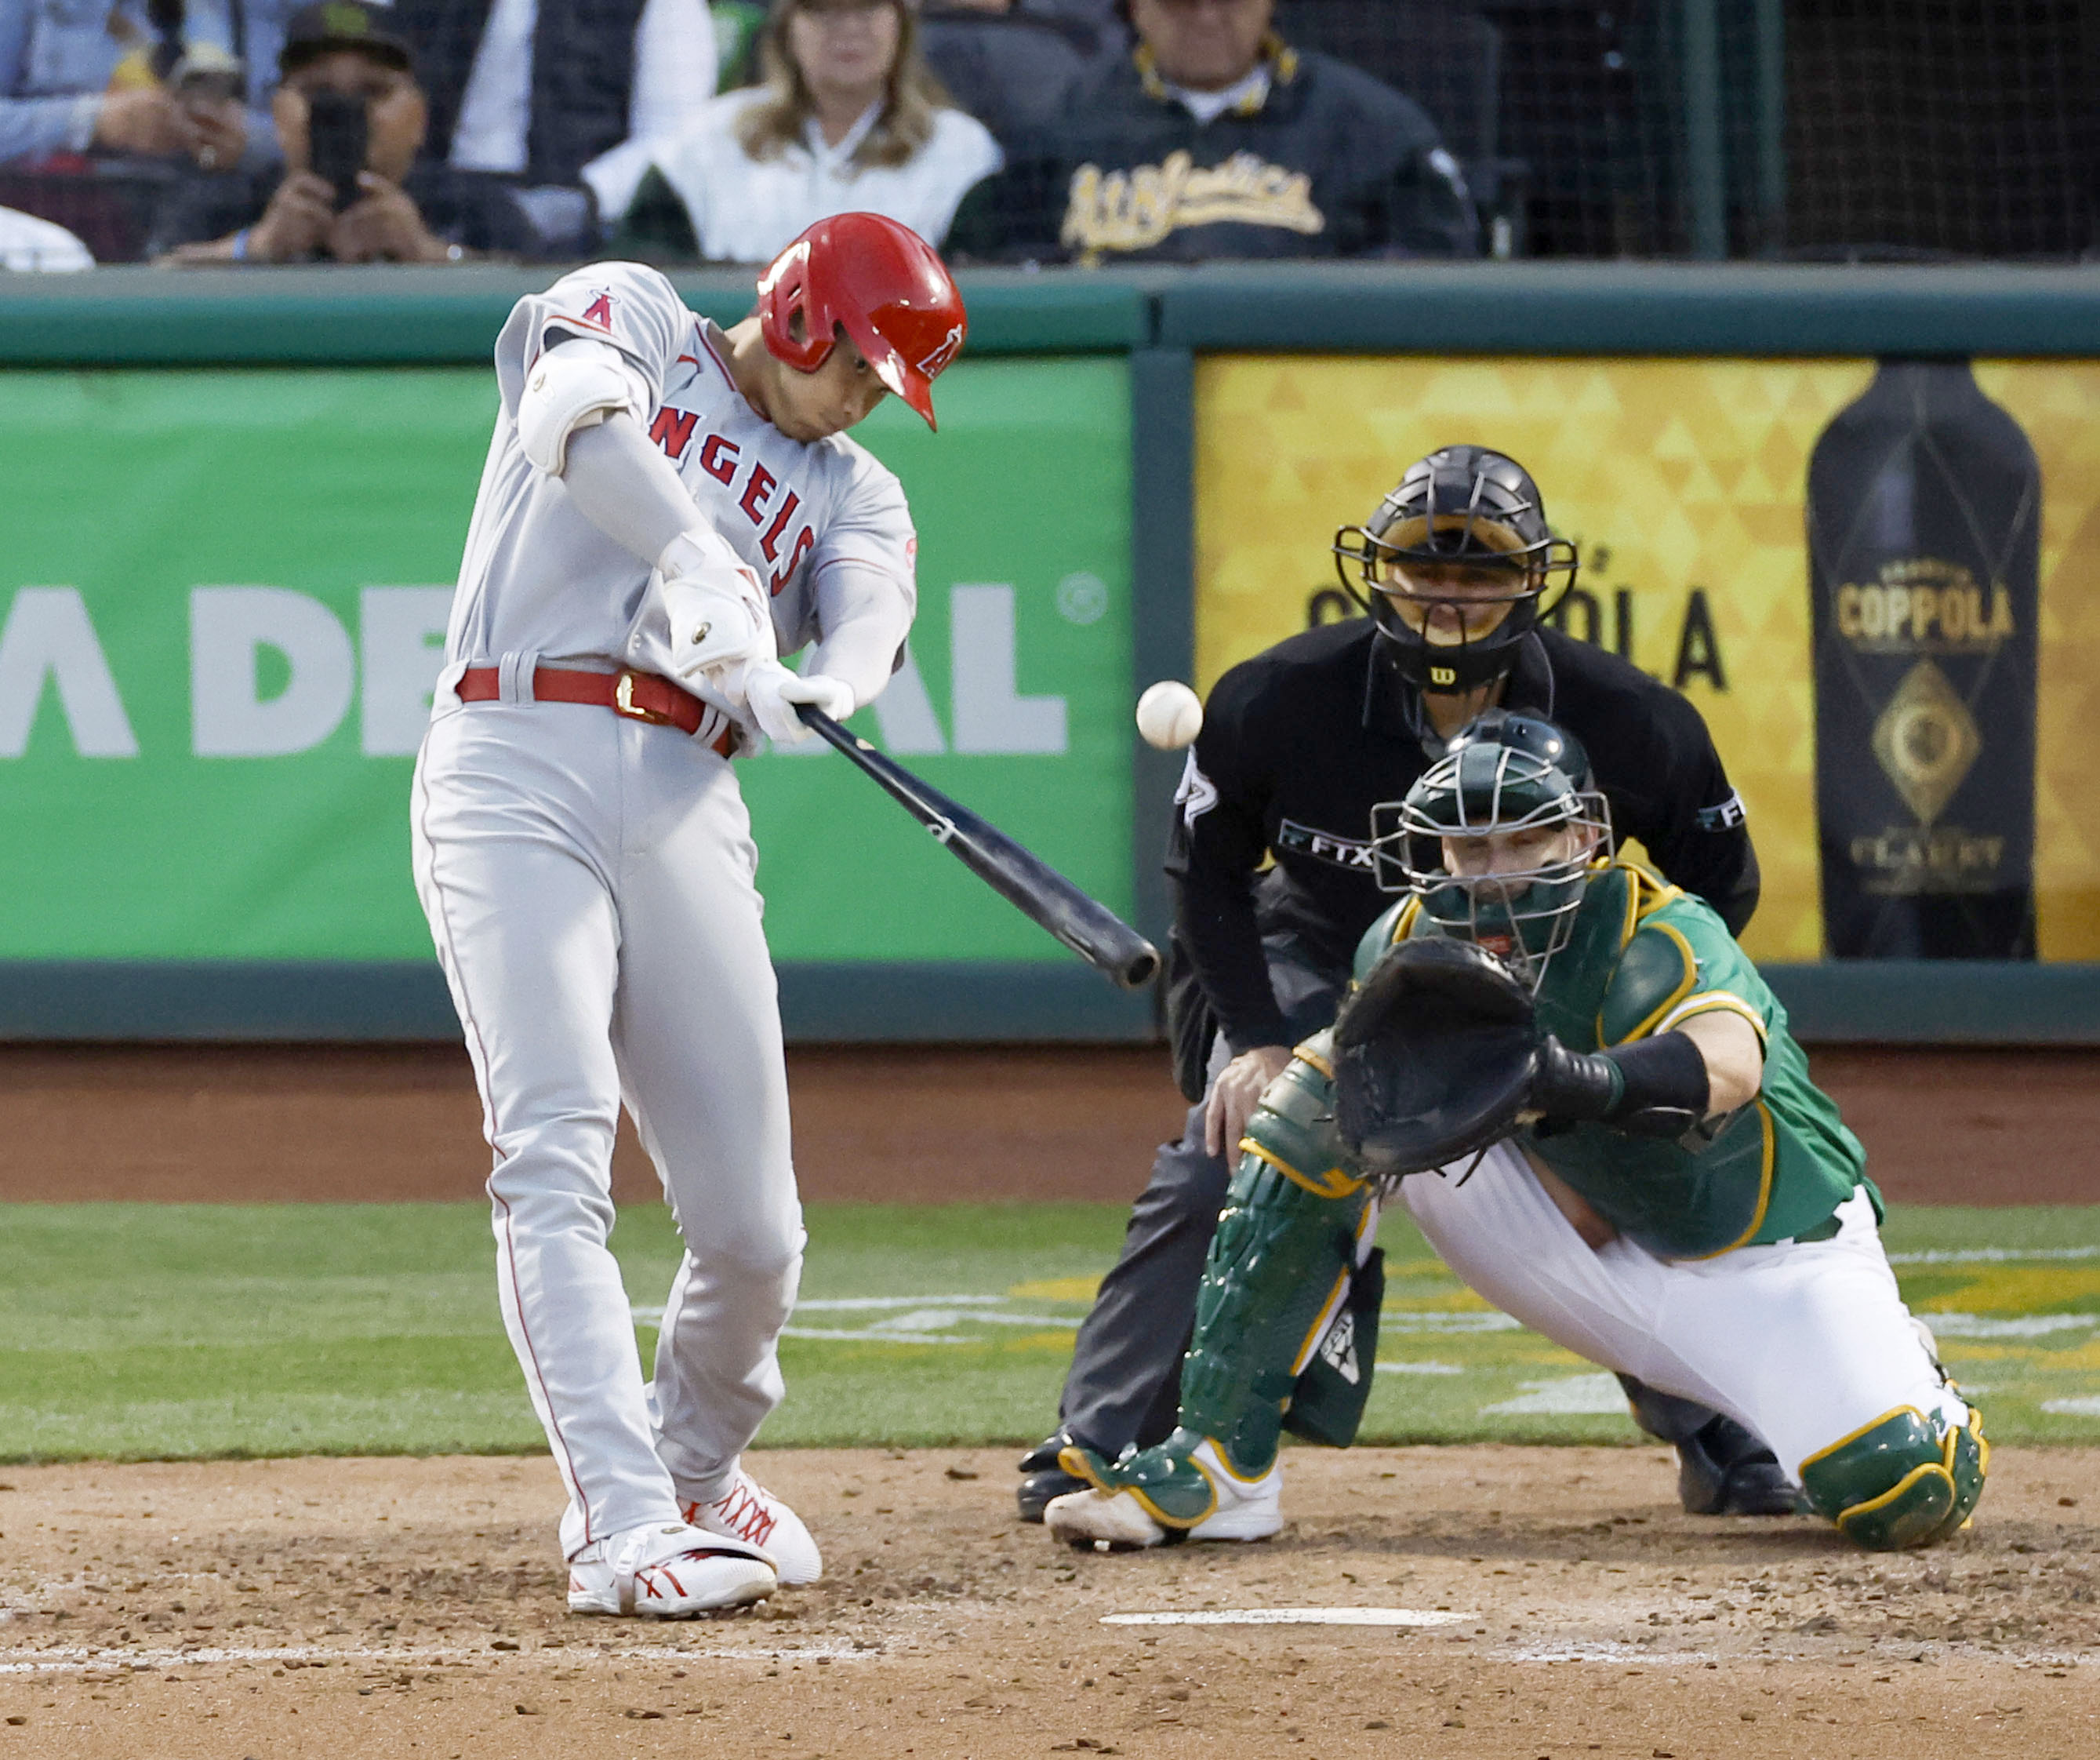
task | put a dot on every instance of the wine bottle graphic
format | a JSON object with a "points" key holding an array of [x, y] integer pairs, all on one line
{"points": [[1924, 523]]}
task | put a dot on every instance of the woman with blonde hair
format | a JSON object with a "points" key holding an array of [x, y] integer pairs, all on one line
{"points": [[848, 117]]}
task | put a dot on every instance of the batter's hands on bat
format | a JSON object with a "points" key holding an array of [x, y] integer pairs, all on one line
{"points": [[771, 691], [1235, 1093]]}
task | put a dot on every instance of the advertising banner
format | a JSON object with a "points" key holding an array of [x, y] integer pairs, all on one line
{"points": [[1684, 484], [223, 600]]}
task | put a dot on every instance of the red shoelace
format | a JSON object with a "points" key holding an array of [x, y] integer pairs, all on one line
{"points": [[742, 1511]]}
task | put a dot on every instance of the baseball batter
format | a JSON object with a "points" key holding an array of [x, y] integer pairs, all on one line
{"points": [[1626, 1153], [667, 508]]}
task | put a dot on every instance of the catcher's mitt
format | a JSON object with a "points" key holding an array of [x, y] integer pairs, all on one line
{"points": [[1435, 1056]]}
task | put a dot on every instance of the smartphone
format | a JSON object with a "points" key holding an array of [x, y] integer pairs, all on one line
{"points": [[337, 131]]}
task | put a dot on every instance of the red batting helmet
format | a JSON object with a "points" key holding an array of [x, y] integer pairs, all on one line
{"points": [[884, 284]]}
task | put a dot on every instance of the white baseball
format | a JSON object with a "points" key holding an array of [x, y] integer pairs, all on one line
{"points": [[1170, 715]]}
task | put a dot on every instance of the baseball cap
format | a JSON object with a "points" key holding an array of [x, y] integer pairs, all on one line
{"points": [[315, 30]]}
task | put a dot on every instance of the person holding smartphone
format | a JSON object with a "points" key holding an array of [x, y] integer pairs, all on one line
{"points": [[134, 79], [352, 119]]}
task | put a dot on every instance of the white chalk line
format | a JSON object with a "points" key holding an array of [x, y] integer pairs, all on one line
{"points": [[1386, 1617], [933, 1319], [1882, 1650], [79, 1660], [1992, 1255], [1952, 1325]]}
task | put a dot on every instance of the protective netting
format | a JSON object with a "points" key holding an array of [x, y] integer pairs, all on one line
{"points": [[1819, 129], [1875, 128], [1957, 127]]}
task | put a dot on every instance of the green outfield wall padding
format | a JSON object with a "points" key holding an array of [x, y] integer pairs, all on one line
{"points": [[405, 1001], [419, 316], [143, 316], [1893, 1002], [1630, 309], [1940, 1002]]}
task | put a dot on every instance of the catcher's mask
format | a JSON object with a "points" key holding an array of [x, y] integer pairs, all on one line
{"points": [[1455, 566], [1513, 798]]}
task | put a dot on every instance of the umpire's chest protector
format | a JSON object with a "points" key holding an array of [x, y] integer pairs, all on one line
{"points": [[1642, 957]]}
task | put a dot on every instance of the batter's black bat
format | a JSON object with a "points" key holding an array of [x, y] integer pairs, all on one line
{"points": [[1085, 925]]}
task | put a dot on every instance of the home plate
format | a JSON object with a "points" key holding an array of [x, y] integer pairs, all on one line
{"points": [[1293, 1616]]}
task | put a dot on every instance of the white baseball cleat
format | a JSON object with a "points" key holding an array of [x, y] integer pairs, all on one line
{"points": [[668, 1571], [747, 1511], [1246, 1509], [1111, 1519]]}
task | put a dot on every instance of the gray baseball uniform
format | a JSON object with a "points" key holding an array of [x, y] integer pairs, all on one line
{"points": [[590, 882]]}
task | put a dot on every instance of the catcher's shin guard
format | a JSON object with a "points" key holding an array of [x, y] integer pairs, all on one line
{"points": [[1328, 1399], [1279, 1271], [1906, 1479]]}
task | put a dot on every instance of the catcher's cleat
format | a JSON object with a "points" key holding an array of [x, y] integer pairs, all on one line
{"points": [[1042, 1478], [1724, 1470], [747, 1511], [1184, 1487], [1112, 1519], [667, 1571]]}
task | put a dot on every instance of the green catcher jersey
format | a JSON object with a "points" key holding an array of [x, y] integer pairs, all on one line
{"points": [[1644, 958]]}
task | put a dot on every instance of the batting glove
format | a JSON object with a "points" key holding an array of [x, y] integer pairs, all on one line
{"points": [[771, 692], [717, 609]]}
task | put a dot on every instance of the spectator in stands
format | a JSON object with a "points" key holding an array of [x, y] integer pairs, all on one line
{"points": [[351, 191], [538, 90], [1213, 139], [76, 79], [1008, 62], [848, 118]]}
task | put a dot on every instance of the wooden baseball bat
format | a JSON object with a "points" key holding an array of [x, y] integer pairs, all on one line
{"points": [[1092, 931]]}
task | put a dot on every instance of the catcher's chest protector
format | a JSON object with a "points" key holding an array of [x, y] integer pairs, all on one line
{"points": [[1642, 955]]}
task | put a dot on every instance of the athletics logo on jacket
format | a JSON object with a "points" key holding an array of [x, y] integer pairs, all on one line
{"points": [[1138, 209]]}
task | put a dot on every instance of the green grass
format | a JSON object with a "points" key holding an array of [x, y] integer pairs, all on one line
{"points": [[152, 1331]]}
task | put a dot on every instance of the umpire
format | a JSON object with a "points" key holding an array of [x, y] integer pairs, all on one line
{"points": [[1271, 858]]}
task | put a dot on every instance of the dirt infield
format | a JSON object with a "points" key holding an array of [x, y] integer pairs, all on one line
{"points": [[398, 1608], [918, 1124]]}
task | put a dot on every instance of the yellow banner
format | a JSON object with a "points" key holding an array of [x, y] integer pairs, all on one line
{"points": [[1681, 483]]}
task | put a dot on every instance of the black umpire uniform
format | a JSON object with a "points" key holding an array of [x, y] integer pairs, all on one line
{"points": [[1272, 864]]}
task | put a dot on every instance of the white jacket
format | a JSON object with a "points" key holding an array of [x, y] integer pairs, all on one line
{"points": [[747, 211]]}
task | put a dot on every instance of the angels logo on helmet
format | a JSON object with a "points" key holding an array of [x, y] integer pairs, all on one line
{"points": [[951, 345]]}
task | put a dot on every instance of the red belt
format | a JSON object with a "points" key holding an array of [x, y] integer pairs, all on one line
{"points": [[639, 696]]}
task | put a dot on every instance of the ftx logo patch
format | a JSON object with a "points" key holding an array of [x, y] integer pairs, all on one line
{"points": [[1724, 818], [1324, 846]]}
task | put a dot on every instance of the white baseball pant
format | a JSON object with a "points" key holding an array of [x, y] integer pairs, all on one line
{"points": [[588, 881], [1802, 1342]]}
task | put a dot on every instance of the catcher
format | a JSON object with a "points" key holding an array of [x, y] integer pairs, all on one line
{"points": [[1590, 1102]]}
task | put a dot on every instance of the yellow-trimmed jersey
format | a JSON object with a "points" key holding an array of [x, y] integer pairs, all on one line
{"points": [[1644, 958]]}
